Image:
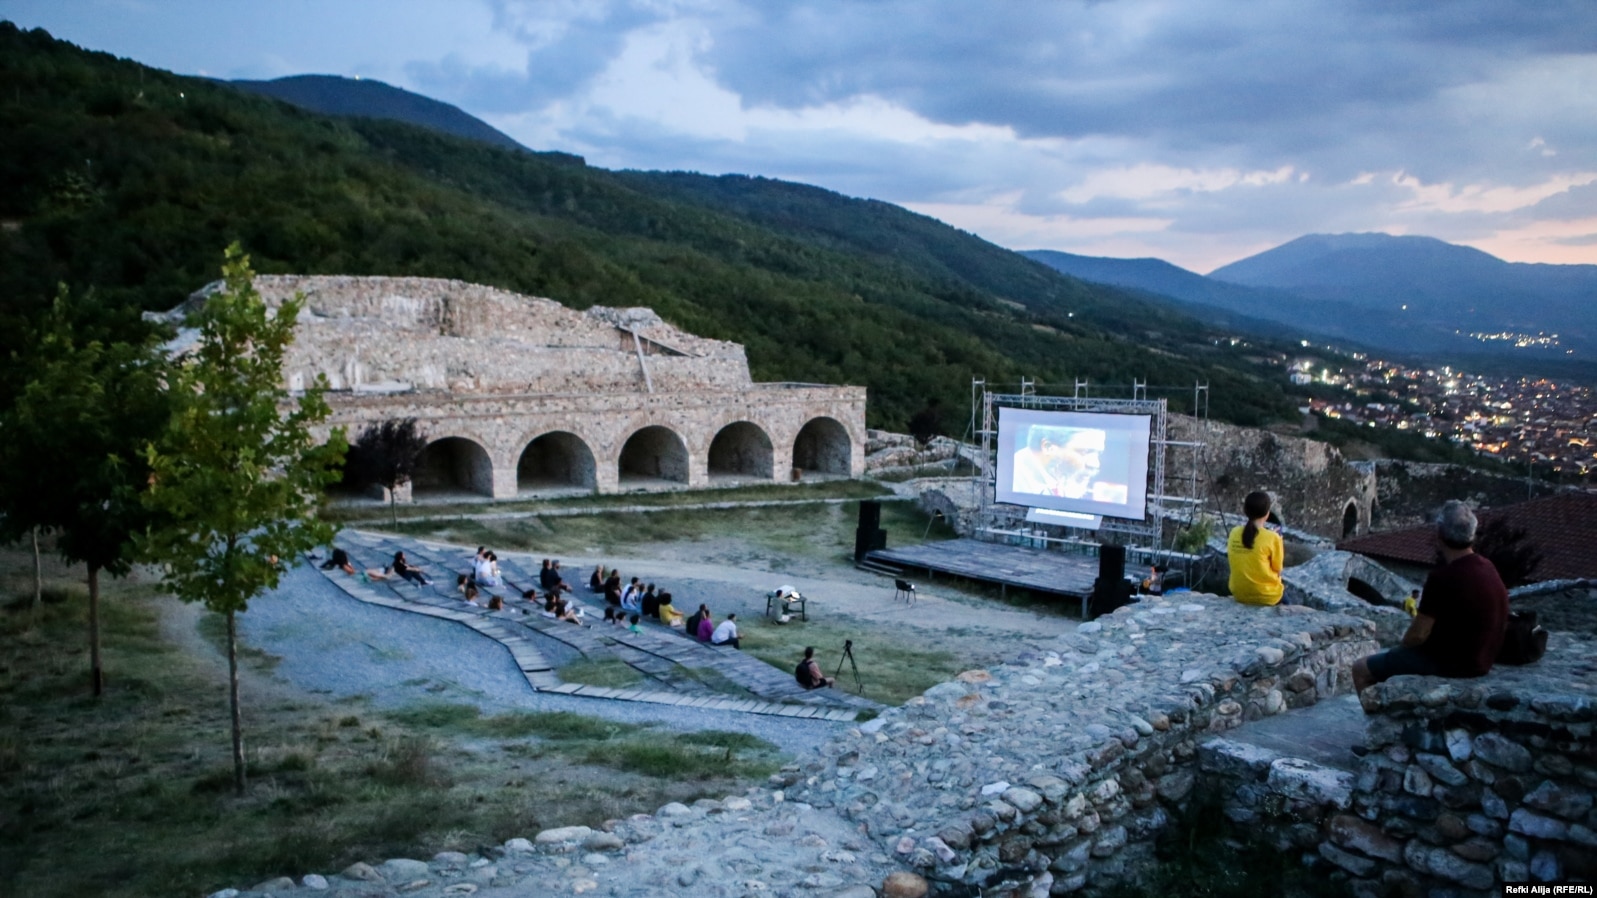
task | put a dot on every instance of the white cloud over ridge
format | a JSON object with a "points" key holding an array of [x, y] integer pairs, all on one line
{"points": [[1198, 131]]}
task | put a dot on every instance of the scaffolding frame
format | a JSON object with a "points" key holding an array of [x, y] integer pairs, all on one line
{"points": [[1143, 539]]}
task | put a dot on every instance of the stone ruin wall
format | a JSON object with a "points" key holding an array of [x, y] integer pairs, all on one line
{"points": [[1466, 784], [1058, 770], [1409, 493], [492, 371], [1313, 483]]}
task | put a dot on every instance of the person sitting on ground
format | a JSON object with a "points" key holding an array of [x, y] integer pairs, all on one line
{"points": [[609, 615], [496, 603], [1463, 610], [667, 612], [339, 560], [560, 577], [632, 599], [1255, 552], [726, 633], [547, 578], [471, 593], [414, 574], [372, 573], [650, 603], [808, 673], [563, 611], [596, 582], [487, 570], [632, 624], [692, 626], [612, 589]]}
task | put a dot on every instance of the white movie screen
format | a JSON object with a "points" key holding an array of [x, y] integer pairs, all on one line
{"points": [[1087, 462]]}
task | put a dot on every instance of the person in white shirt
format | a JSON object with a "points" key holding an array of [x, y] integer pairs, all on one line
{"points": [[726, 633], [486, 570]]}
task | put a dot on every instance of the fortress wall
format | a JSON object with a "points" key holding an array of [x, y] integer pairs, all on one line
{"points": [[1058, 770], [1312, 482]]}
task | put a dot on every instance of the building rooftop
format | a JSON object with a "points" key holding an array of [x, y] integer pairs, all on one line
{"points": [[1563, 527]]}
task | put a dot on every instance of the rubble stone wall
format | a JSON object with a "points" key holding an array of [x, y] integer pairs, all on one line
{"points": [[500, 370], [1058, 769]]}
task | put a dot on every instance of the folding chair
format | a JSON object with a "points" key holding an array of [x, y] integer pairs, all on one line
{"points": [[904, 588]]}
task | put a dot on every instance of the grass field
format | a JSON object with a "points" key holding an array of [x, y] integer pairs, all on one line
{"points": [[130, 794]]}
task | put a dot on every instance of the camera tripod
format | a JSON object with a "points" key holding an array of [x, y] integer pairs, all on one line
{"points": [[848, 655]]}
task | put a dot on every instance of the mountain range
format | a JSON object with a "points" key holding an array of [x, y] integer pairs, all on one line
{"points": [[1406, 294], [128, 181]]}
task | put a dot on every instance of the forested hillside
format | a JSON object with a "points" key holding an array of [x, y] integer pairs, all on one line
{"points": [[131, 180]]}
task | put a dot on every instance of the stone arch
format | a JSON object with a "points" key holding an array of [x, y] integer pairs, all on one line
{"points": [[1350, 519], [454, 464], [823, 445], [741, 449], [653, 453], [556, 459]]}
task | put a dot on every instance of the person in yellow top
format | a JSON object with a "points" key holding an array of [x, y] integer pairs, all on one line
{"points": [[1255, 553]]}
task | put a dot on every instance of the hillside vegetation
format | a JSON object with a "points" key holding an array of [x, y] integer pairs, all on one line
{"points": [[130, 180]]}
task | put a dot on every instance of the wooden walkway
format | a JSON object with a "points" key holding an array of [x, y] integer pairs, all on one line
{"points": [[1033, 569], [665, 657]]}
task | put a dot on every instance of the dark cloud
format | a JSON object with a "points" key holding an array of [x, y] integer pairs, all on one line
{"points": [[1271, 79]]}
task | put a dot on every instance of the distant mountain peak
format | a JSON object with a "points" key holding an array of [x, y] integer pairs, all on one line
{"points": [[368, 97]]}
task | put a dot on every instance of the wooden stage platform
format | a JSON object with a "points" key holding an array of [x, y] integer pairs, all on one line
{"points": [[1007, 566]]}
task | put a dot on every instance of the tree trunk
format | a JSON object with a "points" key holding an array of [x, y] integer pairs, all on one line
{"points": [[232, 695], [393, 507], [96, 674], [38, 573]]}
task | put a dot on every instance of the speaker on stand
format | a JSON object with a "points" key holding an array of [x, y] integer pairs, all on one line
{"points": [[1110, 590]]}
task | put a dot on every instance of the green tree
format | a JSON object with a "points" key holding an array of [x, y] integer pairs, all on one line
{"points": [[238, 471], [73, 458], [386, 454]]}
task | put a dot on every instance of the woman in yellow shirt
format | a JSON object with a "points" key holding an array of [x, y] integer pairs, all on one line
{"points": [[1255, 553]]}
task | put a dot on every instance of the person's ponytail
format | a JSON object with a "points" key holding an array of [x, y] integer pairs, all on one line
{"points": [[1255, 506], [1248, 534]]}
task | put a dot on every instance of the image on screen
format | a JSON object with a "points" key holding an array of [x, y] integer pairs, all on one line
{"points": [[1088, 462]]}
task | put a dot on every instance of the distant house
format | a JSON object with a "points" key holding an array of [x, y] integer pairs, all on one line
{"points": [[1563, 527]]}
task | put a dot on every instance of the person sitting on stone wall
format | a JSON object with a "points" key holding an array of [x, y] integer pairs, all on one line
{"points": [[808, 673], [1255, 552], [1461, 616]]}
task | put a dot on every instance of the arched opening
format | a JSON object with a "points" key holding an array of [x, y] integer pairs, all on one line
{"points": [[453, 465], [740, 451], [822, 446], [556, 461], [1350, 520], [1365, 591], [653, 456]]}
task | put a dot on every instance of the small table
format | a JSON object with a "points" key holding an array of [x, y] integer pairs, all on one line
{"points": [[783, 600]]}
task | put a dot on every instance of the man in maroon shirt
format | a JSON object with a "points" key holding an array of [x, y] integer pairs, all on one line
{"points": [[1463, 610]]}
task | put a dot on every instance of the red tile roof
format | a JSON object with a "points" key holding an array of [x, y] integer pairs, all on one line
{"points": [[1562, 526]]}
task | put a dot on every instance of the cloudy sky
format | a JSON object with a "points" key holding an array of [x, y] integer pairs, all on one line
{"points": [[1197, 131]]}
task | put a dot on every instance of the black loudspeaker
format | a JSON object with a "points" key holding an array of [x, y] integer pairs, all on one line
{"points": [[1111, 563], [870, 514], [869, 536]]}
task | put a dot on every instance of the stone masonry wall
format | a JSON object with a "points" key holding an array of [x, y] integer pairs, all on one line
{"points": [[499, 370], [1472, 783], [1312, 482], [1057, 769]]}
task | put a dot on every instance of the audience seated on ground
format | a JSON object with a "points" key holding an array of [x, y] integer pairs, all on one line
{"points": [[413, 574], [651, 603], [470, 593], [808, 673], [632, 624], [667, 612], [339, 560], [612, 590], [496, 603], [486, 570], [372, 573], [596, 582], [632, 599], [692, 626], [726, 633]]}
